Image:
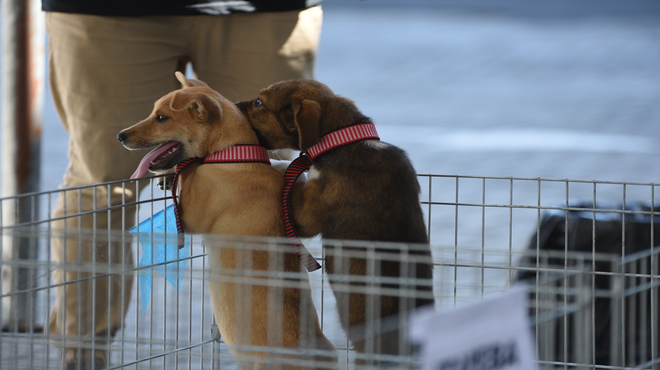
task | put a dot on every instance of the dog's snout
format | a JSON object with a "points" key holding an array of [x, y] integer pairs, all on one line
{"points": [[242, 105], [122, 136]]}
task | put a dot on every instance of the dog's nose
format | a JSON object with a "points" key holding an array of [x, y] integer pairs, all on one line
{"points": [[121, 136]]}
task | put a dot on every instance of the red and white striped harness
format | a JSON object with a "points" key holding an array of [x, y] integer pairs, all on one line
{"points": [[233, 154], [259, 154], [347, 135]]}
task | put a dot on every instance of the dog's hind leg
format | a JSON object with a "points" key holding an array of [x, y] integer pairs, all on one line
{"points": [[372, 310]]}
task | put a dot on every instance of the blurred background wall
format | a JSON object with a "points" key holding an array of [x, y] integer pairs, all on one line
{"points": [[558, 89]]}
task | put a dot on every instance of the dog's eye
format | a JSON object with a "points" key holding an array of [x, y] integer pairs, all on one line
{"points": [[258, 103], [161, 118]]}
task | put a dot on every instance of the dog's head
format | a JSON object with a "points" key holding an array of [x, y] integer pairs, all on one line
{"points": [[194, 121], [294, 114]]}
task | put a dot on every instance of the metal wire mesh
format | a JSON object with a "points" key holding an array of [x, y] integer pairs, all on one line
{"points": [[586, 249]]}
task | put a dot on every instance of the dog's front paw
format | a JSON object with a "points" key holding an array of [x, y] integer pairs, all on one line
{"points": [[166, 182]]}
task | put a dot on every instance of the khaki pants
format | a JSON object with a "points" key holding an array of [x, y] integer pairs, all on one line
{"points": [[105, 75]]}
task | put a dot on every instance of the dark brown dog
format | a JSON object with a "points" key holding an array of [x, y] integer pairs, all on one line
{"points": [[366, 190]]}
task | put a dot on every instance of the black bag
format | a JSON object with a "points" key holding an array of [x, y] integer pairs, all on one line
{"points": [[630, 235]]}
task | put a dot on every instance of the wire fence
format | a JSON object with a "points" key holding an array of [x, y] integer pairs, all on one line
{"points": [[586, 249]]}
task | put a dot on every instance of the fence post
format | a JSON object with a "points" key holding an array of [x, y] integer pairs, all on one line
{"points": [[23, 44]]}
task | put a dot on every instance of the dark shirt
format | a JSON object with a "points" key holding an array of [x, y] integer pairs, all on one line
{"points": [[173, 7]]}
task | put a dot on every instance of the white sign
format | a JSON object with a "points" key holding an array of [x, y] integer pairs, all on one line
{"points": [[491, 334]]}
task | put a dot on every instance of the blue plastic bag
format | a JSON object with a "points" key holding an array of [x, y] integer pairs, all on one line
{"points": [[158, 238]]}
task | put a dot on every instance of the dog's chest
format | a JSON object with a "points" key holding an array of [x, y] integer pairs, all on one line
{"points": [[313, 173]]}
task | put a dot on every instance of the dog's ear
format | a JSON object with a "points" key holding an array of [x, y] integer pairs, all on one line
{"points": [[202, 107], [307, 117], [185, 82]]}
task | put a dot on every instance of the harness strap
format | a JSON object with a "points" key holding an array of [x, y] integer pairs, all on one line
{"points": [[297, 167], [301, 164], [237, 154], [346, 135], [177, 216]]}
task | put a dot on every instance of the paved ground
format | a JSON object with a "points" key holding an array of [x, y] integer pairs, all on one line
{"points": [[501, 93]]}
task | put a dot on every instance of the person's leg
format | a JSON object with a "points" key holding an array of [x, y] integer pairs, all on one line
{"points": [[242, 53], [105, 74]]}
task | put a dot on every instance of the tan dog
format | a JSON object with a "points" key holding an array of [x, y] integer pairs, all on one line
{"points": [[233, 199], [366, 190]]}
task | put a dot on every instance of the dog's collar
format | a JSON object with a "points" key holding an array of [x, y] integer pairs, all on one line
{"points": [[239, 154], [346, 135]]}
